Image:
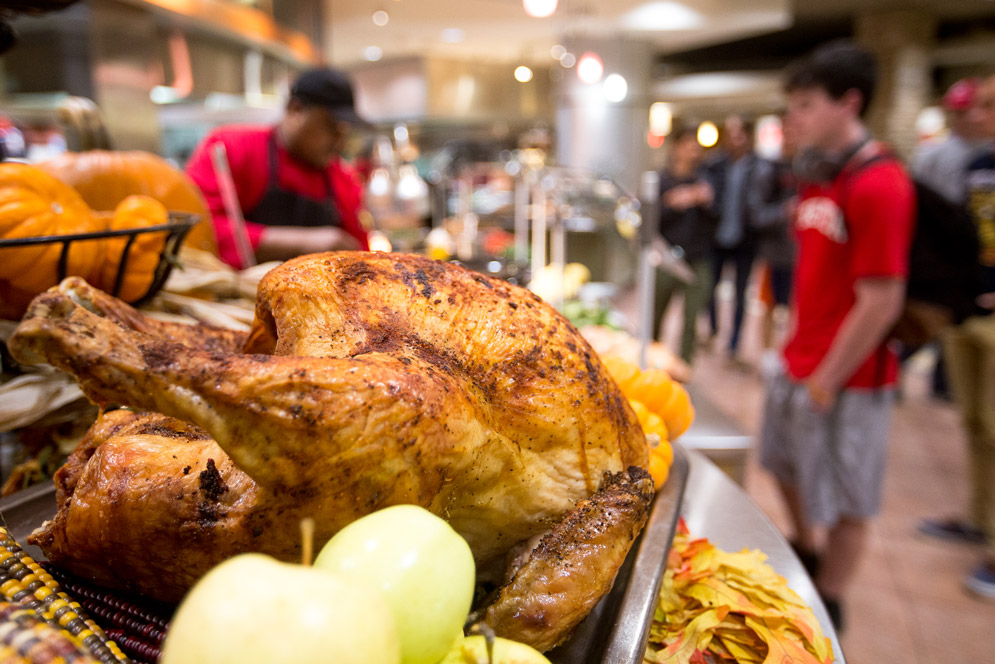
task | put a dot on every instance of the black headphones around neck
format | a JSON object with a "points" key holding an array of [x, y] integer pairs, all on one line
{"points": [[813, 165]]}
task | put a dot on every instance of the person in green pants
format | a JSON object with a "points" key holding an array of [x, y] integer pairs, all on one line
{"points": [[687, 222]]}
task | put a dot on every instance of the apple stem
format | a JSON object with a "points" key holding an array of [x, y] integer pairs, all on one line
{"points": [[307, 541], [487, 632]]}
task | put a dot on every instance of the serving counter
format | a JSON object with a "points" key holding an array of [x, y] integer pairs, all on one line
{"points": [[715, 505], [717, 508], [718, 437]]}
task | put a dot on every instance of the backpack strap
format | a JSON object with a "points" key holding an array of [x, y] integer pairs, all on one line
{"points": [[872, 152]]}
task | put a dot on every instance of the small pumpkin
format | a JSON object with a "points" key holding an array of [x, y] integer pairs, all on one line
{"points": [[13, 301], [34, 204], [142, 257], [104, 178], [661, 454], [656, 391]]}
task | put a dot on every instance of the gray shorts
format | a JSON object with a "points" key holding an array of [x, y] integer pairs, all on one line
{"points": [[835, 460]]}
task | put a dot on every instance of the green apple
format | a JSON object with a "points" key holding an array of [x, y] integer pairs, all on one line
{"points": [[473, 650], [252, 609], [424, 568]]}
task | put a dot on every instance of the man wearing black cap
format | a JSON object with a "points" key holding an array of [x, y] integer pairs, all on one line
{"points": [[294, 190]]}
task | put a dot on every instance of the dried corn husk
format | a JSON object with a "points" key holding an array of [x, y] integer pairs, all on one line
{"points": [[29, 397], [202, 274], [236, 315]]}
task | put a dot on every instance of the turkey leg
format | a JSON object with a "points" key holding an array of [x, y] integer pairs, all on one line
{"points": [[574, 564], [205, 337], [283, 420]]}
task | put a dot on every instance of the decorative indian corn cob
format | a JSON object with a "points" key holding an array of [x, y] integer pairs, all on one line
{"points": [[27, 639], [23, 581], [137, 627]]}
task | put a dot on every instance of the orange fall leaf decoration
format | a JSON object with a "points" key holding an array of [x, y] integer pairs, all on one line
{"points": [[716, 606]]}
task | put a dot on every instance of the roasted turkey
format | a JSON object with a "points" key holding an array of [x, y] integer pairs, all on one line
{"points": [[367, 380]]}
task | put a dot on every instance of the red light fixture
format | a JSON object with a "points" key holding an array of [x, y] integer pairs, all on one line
{"points": [[590, 69]]}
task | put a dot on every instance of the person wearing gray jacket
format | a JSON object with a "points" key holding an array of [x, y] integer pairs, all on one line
{"points": [[771, 199]]}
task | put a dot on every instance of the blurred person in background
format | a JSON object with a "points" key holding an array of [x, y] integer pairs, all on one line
{"points": [[970, 353], [295, 191], [687, 222], [733, 243], [771, 198], [827, 418], [942, 166], [12, 144]]}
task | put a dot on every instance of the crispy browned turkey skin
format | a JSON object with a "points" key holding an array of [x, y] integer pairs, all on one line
{"points": [[368, 380], [574, 565]]}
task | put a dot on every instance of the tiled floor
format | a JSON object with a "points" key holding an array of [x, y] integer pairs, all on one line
{"points": [[907, 604]]}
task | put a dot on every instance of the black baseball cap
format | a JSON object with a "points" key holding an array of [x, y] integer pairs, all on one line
{"points": [[324, 86]]}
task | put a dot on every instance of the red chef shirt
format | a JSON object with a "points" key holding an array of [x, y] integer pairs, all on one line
{"points": [[836, 248], [248, 157]]}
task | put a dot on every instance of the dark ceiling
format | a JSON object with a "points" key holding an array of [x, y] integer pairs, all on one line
{"points": [[817, 21]]}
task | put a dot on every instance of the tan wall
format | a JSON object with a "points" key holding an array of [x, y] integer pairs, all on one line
{"points": [[903, 42]]}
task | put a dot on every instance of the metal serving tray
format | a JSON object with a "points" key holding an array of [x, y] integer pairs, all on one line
{"points": [[615, 632], [24, 511]]}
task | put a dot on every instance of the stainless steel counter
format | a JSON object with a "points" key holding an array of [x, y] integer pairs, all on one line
{"points": [[716, 507], [717, 436]]}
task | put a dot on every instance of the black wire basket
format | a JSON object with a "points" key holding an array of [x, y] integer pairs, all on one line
{"points": [[175, 231]]}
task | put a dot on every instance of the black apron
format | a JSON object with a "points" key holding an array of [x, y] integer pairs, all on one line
{"points": [[282, 207]]}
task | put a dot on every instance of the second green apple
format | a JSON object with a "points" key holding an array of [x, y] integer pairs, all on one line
{"points": [[424, 567]]}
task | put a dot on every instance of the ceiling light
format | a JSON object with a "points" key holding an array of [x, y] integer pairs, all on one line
{"points": [[769, 136], [568, 60], [590, 68], [558, 51], [523, 74], [662, 16], [615, 88], [539, 8], [380, 18], [372, 53], [661, 118], [708, 134], [452, 35], [930, 122]]}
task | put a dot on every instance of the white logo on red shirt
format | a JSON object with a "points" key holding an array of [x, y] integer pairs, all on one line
{"points": [[824, 215]]}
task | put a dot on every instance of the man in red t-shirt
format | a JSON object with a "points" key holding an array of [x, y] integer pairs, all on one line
{"points": [[294, 190], [826, 421]]}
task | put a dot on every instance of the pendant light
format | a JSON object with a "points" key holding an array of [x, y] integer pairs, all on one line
{"points": [[539, 8]]}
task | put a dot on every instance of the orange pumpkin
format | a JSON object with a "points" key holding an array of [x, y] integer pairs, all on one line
{"points": [[105, 178], [655, 392], [13, 301], [679, 412], [34, 204], [142, 257]]}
